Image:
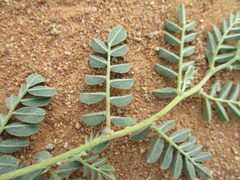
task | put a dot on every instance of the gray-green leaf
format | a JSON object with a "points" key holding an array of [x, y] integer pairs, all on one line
{"points": [[236, 30], [211, 42], [180, 135], [225, 90], [168, 55], [221, 112], [190, 26], [188, 169], [222, 58], [122, 83], [99, 46], [86, 170], [8, 164], [165, 92], [230, 19], [227, 48], [11, 101], [166, 126], [181, 13], [209, 55], [224, 26], [188, 51], [22, 89], [155, 149], [216, 33], [2, 118], [91, 158], [119, 51], [34, 79], [234, 94], [194, 150], [42, 91], [202, 171], [187, 64], [121, 100], [108, 175], [189, 144], [100, 176], [93, 79], [171, 39], [122, 121], [97, 61], [234, 110], [43, 155], [207, 109], [12, 145], [116, 35], [202, 156], [100, 162], [65, 170], [232, 37], [121, 68], [172, 26], [22, 129], [94, 174], [141, 134], [94, 118], [166, 158], [214, 88], [92, 98], [99, 148], [176, 167], [190, 37], [36, 101], [165, 71], [107, 168]]}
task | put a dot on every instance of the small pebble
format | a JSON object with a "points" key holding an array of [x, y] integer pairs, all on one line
{"points": [[150, 35], [65, 145], [49, 147], [77, 125], [237, 158], [118, 111], [114, 59]]}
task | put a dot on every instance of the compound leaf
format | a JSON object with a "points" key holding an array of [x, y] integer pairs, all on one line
{"points": [[190, 26], [43, 155], [234, 110], [171, 39], [189, 144], [211, 43], [221, 112], [225, 90], [22, 129], [34, 79], [202, 171], [8, 164], [166, 126], [97, 61], [93, 79], [202, 156], [165, 92], [234, 94], [222, 58], [194, 150], [168, 55], [207, 109], [232, 37], [65, 170], [99, 46], [11, 101], [155, 149], [216, 33], [122, 83], [166, 158], [116, 35], [92, 98], [94, 118], [188, 51], [180, 135], [119, 51], [190, 37], [188, 169], [186, 65], [121, 68], [227, 48], [122, 121], [141, 134], [165, 71], [100, 162], [36, 101], [172, 26], [121, 100], [176, 167], [108, 168], [12, 145], [42, 91], [181, 13], [99, 148], [30, 114]]}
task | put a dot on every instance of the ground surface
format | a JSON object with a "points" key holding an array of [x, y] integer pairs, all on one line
{"points": [[54, 39]]}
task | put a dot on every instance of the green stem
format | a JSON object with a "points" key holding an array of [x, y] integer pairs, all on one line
{"points": [[181, 58], [217, 99], [173, 144], [108, 117], [54, 173]]}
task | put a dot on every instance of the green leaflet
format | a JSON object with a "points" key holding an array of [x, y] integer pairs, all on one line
{"points": [[211, 43], [122, 121], [100, 162], [188, 51], [91, 158], [222, 58], [165, 71], [30, 114], [234, 94], [224, 26], [42, 91], [11, 101], [122, 83], [216, 33], [65, 170], [12, 145], [166, 158], [232, 37], [230, 19], [2, 118], [171, 39], [94, 118], [172, 26], [86, 170], [189, 144], [94, 174], [234, 110], [181, 13], [221, 111], [22, 89], [121, 68], [92, 98], [227, 48], [166, 126], [214, 88], [202, 156], [236, 65], [93, 79], [109, 175], [225, 90], [97, 61], [202, 171], [141, 134], [176, 167], [194, 150], [155, 149], [8, 164], [235, 30], [35, 175], [36, 101], [209, 56], [99, 148], [99, 46], [168, 55], [100, 176], [190, 26], [119, 51], [43, 155], [207, 109], [107, 168], [34, 79], [22, 129], [121, 100], [190, 37], [186, 65], [188, 169], [180, 135], [116, 35], [165, 92]]}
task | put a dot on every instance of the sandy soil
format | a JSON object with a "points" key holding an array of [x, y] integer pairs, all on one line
{"points": [[54, 39]]}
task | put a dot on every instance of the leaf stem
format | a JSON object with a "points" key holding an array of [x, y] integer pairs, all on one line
{"points": [[89, 165], [53, 172]]}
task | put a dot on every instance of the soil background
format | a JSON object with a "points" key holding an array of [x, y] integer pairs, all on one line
{"points": [[53, 38]]}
